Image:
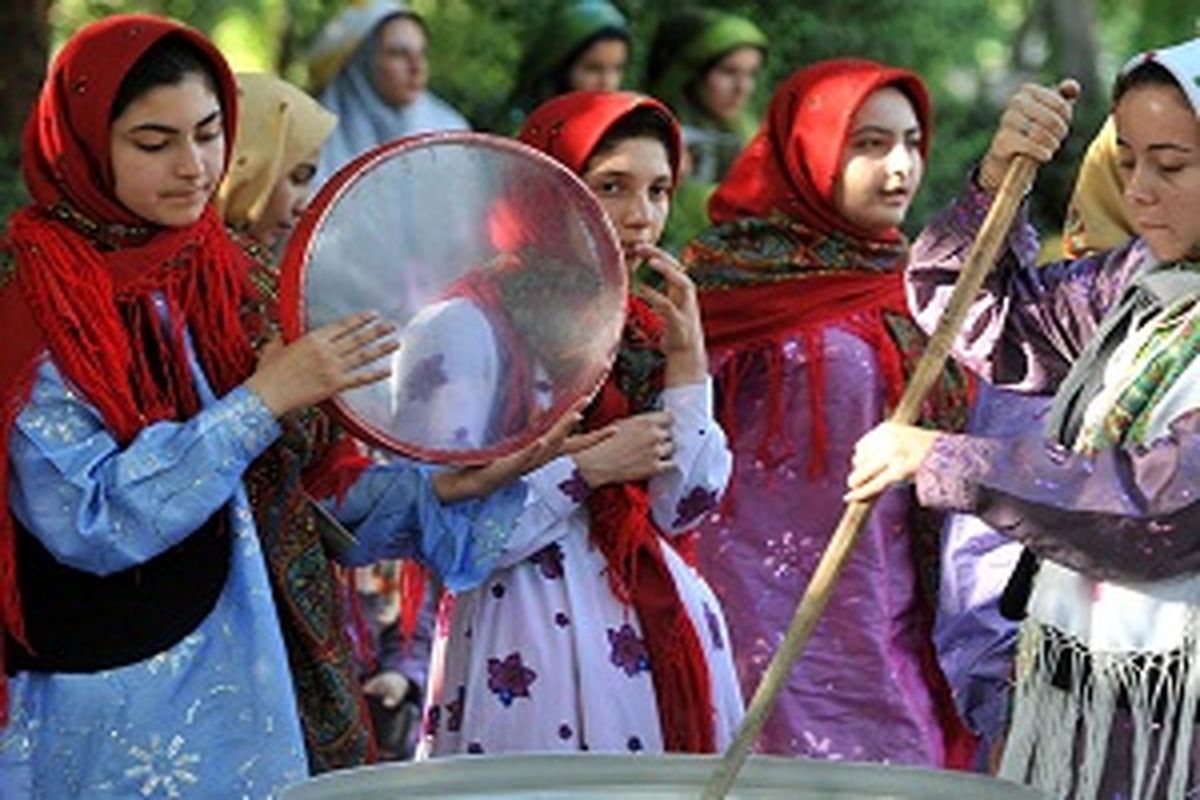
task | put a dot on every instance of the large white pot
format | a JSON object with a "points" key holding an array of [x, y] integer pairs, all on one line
{"points": [[586, 776]]}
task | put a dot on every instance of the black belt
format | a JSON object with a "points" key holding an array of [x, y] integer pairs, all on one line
{"points": [[77, 621]]}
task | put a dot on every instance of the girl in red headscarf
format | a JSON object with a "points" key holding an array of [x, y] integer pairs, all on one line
{"points": [[804, 315], [603, 637], [145, 612]]}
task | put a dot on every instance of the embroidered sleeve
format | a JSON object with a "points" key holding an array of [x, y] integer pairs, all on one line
{"points": [[393, 512], [556, 492], [1123, 514], [102, 507], [682, 496], [1029, 322]]}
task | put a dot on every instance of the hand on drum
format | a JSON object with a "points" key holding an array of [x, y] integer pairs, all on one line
{"points": [[1034, 124], [887, 454], [323, 362], [679, 309], [559, 440], [639, 448]]}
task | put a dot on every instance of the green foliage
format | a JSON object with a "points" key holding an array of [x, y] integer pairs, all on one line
{"points": [[476, 46]]}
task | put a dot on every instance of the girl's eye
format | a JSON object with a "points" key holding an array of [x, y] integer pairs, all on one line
{"points": [[1170, 168], [659, 192], [869, 143], [208, 135], [150, 147]]}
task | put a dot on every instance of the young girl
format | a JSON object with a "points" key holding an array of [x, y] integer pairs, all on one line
{"points": [[583, 45], [1108, 671], [801, 289], [274, 161], [604, 638], [143, 641], [704, 65]]}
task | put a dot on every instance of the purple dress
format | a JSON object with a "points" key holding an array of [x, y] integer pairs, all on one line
{"points": [[1121, 517], [861, 691]]}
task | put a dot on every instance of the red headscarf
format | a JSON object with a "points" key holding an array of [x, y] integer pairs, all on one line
{"points": [[783, 263], [569, 128], [787, 174], [792, 163], [87, 270]]}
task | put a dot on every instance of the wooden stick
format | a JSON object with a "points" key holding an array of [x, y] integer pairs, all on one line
{"points": [[978, 264]]}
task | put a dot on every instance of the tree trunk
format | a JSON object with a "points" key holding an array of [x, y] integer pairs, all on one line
{"points": [[25, 30]]}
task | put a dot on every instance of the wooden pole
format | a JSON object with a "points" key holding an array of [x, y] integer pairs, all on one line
{"points": [[980, 259]]}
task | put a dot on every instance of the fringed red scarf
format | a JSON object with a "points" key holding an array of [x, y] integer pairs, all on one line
{"points": [[750, 307], [97, 314], [624, 531], [763, 282]]}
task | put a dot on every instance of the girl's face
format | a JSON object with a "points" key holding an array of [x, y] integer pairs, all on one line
{"points": [[600, 67], [728, 84], [1158, 152], [168, 152], [633, 182], [401, 67], [881, 164], [287, 202]]}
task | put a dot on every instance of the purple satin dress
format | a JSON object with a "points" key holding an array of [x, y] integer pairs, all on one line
{"points": [[860, 690]]}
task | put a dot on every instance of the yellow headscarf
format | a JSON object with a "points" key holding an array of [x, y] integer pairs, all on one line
{"points": [[1096, 218], [279, 127]]}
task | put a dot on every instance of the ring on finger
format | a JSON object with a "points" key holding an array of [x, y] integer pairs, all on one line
{"points": [[1026, 127]]}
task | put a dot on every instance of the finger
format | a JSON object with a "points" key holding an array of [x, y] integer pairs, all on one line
{"points": [[368, 355], [347, 325], [358, 379], [1051, 99], [582, 441], [662, 305], [355, 340], [664, 264], [662, 465], [869, 490], [665, 449]]}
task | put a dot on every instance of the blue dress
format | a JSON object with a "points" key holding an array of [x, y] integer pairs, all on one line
{"points": [[214, 715]]}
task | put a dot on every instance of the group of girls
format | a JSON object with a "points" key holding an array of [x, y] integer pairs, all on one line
{"points": [[171, 617]]}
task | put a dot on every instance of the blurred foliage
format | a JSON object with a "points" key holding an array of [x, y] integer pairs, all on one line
{"points": [[476, 45]]}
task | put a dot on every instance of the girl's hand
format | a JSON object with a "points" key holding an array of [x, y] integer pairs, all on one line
{"points": [[323, 362], [680, 310], [1033, 124], [450, 487], [887, 454], [640, 447]]}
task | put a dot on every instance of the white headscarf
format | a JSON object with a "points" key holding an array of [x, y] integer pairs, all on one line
{"points": [[346, 50]]}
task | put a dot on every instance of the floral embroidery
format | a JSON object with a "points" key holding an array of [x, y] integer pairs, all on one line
{"points": [[498, 590], [628, 650], [561, 619], [692, 505], [565, 732], [714, 628], [475, 748], [575, 487], [425, 378], [454, 711], [550, 561], [634, 744], [164, 767], [509, 679]]}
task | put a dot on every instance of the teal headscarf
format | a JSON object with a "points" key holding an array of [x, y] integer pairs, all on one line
{"points": [[686, 44], [571, 26]]}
